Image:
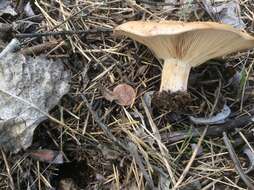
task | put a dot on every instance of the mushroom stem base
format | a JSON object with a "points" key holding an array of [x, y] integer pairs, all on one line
{"points": [[175, 75], [177, 102]]}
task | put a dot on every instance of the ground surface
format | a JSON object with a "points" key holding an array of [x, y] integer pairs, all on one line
{"points": [[108, 146]]}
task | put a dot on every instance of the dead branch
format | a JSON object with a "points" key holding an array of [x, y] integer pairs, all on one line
{"points": [[237, 163]]}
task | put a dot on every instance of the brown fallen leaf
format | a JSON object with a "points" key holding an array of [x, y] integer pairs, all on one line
{"points": [[49, 156]]}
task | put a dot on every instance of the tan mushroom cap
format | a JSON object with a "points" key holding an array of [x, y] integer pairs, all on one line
{"points": [[192, 42]]}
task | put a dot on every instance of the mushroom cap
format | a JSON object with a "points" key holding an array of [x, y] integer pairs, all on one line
{"points": [[192, 42], [125, 94]]}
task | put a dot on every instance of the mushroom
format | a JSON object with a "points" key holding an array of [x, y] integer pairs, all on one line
{"points": [[185, 45], [123, 94]]}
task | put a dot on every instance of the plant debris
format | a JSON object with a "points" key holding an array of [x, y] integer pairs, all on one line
{"points": [[219, 118], [250, 154], [237, 163], [6, 8], [225, 12], [101, 144], [29, 88], [177, 101], [67, 184], [48, 156], [29, 10]]}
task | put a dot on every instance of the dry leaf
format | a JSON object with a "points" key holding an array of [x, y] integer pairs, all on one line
{"points": [[225, 12], [6, 8], [155, 4], [67, 184], [29, 10], [109, 153], [29, 88], [48, 156]]}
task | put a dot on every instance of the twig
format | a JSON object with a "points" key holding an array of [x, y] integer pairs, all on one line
{"points": [[38, 48], [211, 131], [216, 119], [11, 47], [245, 84], [67, 32], [8, 171], [102, 125], [193, 156], [118, 142], [155, 3], [138, 160], [237, 163], [38, 109], [162, 147]]}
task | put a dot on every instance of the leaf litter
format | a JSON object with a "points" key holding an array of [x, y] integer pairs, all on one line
{"points": [[48, 156], [225, 12], [29, 88], [7, 8], [134, 157]]}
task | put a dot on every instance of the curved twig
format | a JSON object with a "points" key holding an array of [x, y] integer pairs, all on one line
{"points": [[193, 156], [217, 119], [237, 163], [213, 131]]}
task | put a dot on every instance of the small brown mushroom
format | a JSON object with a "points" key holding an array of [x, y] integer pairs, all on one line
{"points": [[125, 94], [185, 45], [122, 94]]}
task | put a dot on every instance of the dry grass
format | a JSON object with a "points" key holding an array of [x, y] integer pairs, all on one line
{"points": [[113, 147]]}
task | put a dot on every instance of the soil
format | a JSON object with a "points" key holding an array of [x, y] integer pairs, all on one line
{"points": [[174, 102], [92, 158]]}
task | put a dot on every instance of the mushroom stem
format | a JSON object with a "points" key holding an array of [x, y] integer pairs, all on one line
{"points": [[175, 75]]}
